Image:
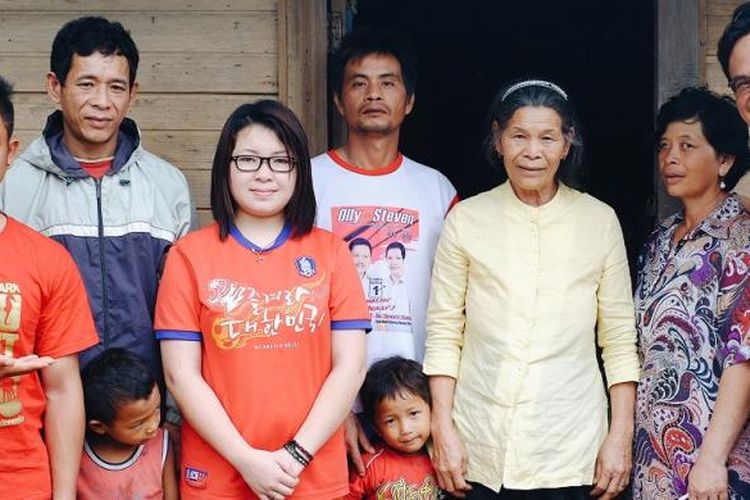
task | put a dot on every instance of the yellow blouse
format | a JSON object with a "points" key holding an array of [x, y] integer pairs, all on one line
{"points": [[519, 297]]}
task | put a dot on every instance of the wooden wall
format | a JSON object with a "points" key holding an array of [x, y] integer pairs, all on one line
{"points": [[715, 16], [199, 60]]}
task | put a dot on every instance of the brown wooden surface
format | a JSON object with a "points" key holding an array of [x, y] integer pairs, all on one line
{"points": [[193, 32], [172, 72], [137, 5], [151, 111]]}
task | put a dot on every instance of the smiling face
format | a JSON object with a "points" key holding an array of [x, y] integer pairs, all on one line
{"points": [[689, 165], [94, 99], [739, 70], [532, 145], [136, 421], [262, 194], [403, 422], [395, 262], [373, 96]]}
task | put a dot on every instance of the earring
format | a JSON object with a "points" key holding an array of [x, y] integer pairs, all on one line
{"points": [[722, 184]]}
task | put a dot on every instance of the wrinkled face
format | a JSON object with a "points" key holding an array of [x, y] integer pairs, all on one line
{"points": [[94, 99], [532, 145], [137, 421], [739, 72], [373, 96], [403, 422], [8, 148], [263, 193], [395, 262], [689, 165], [362, 258]]}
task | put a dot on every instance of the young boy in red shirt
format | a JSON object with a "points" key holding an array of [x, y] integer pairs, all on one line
{"points": [[396, 400]]}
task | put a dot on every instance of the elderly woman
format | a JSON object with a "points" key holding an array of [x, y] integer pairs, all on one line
{"points": [[528, 277], [693, 311]]}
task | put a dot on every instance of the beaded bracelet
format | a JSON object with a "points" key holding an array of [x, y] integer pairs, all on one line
{"points": [[298, 453]]}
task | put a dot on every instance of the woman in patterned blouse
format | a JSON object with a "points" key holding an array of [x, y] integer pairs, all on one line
{"points": [[693, 312]]}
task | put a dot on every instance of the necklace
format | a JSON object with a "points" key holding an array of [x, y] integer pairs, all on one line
{"points": [[682, 231], [261, 251]]}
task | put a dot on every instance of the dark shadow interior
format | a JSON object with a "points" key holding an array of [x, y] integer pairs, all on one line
{"points": [[601, 53]]}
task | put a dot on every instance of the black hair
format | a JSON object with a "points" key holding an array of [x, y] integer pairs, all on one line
{"points": [[392, 377], [397, 245], [737, 28], [362, 42], [113, 378], [6, 105], [86, 35], [537, 95], [300, 211], [721, 125], [360, 242]]}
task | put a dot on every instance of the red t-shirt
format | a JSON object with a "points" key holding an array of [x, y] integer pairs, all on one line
{"points": [[390, 475], [97, 168], [43, 311], [265, 320]]}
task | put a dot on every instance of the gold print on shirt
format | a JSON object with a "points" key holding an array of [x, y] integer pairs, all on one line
{"points": [[402, 490], [248, 314], [10, 323]]}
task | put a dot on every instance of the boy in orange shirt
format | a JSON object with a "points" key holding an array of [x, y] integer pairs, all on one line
{"points": [[45, 321], [126, 454], [396, 399]]}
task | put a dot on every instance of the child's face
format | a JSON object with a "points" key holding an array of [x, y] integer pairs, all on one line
{"points": [[403, 422], [8, 146], [136, 421]]}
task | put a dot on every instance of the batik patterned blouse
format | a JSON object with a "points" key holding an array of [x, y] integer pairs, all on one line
{"points": [[693, 315]]}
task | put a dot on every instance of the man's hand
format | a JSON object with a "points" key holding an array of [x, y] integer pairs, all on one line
{"points": [[11, 367], [355, 437]]}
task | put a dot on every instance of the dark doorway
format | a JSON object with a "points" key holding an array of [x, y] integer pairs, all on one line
{"points": [[601, 53]]}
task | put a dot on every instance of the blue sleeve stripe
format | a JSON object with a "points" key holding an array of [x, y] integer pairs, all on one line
{"points": [[178, 335], [351, 324]]}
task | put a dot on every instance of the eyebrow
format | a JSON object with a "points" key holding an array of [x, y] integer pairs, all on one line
{"points": [[255, 152], [94, 77]]}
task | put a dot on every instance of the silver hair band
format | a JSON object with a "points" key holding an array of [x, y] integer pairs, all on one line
{"points": [[534, 83]]}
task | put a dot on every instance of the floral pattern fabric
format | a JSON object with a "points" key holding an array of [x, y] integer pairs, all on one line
{"points": [[693, 315]]}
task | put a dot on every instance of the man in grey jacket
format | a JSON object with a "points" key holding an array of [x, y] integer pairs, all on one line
{"points": [[88, 183]]}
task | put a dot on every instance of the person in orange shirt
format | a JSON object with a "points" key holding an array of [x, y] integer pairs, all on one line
{"points": [[43, 325], [126, 454], [261, 319], [396, 400]]}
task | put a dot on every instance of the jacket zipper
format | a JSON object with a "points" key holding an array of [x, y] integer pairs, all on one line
{"points": [[102, 266]]}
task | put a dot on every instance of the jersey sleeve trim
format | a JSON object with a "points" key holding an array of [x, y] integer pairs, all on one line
{"points": [[351, 324], [178, 335]]}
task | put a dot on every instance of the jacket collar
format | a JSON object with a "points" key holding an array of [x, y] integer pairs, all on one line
{"points": [[128, 142]]}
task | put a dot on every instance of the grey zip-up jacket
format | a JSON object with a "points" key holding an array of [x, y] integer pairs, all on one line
{"points": [[117, 229]]}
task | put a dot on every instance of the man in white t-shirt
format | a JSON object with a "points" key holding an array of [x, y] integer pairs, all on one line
{"points": [[368, 192]]}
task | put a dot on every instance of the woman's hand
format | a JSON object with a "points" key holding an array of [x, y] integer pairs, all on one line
{"points": [[613, 465], [708, 480], [450, 460], [267, 477]]}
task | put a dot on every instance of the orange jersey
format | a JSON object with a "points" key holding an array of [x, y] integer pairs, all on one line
{"points": [[391, 475], [43, 311], [265, 319]]}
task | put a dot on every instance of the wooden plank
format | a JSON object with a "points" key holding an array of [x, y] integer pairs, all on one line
{"points": [[188, 150], [150, 111], [200, 187], [205, 217], [196, 32], [167, 72], [715, 79], [722, 7], [86, 6], [715, 27], [306, 87]]}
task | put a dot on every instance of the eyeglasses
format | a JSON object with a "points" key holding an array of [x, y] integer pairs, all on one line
{"points": [[252, 163], [740, 84]]}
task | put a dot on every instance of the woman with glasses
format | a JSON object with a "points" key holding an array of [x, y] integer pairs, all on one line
{"points": [[528, 278], [261, 319], [693, 311]]}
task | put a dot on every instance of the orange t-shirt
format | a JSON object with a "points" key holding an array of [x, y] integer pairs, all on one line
{"points": [[390, 474], [265, 320], [43, 311]]}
